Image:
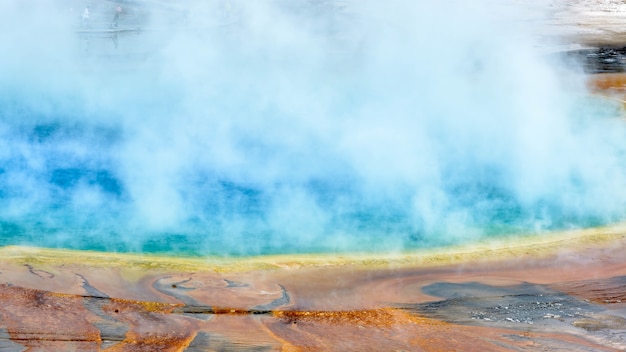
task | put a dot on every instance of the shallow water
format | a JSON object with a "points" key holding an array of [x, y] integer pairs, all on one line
{"points": [[570, 300]]}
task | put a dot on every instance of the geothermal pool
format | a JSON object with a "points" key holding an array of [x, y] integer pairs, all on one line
{"points": [[230, 128], [309, 176]]}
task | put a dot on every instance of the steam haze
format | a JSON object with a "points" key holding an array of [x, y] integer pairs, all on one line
{"points": [[293, 126]]}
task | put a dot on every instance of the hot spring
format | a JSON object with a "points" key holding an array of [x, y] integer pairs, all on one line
{"points": [[273, 126]]}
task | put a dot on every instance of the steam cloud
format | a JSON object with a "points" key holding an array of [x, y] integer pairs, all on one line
{"points": [[248, 127]]}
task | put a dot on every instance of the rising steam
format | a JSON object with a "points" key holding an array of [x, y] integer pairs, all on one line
{"points": [[248, 127]]}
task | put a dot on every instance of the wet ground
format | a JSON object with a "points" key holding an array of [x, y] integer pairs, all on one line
{"points": [[556, 294], [470, 316], [599, 60], [530, 307]]}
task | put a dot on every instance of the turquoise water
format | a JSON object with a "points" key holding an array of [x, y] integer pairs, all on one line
{"points": [[320, 130], [43, 203]]}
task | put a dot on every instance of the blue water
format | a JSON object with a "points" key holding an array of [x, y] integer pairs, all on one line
{"points": [[315, 131], [47, 166]]}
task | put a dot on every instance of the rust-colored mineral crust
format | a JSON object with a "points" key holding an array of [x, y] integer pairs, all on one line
{"points": [[565, 294]]}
